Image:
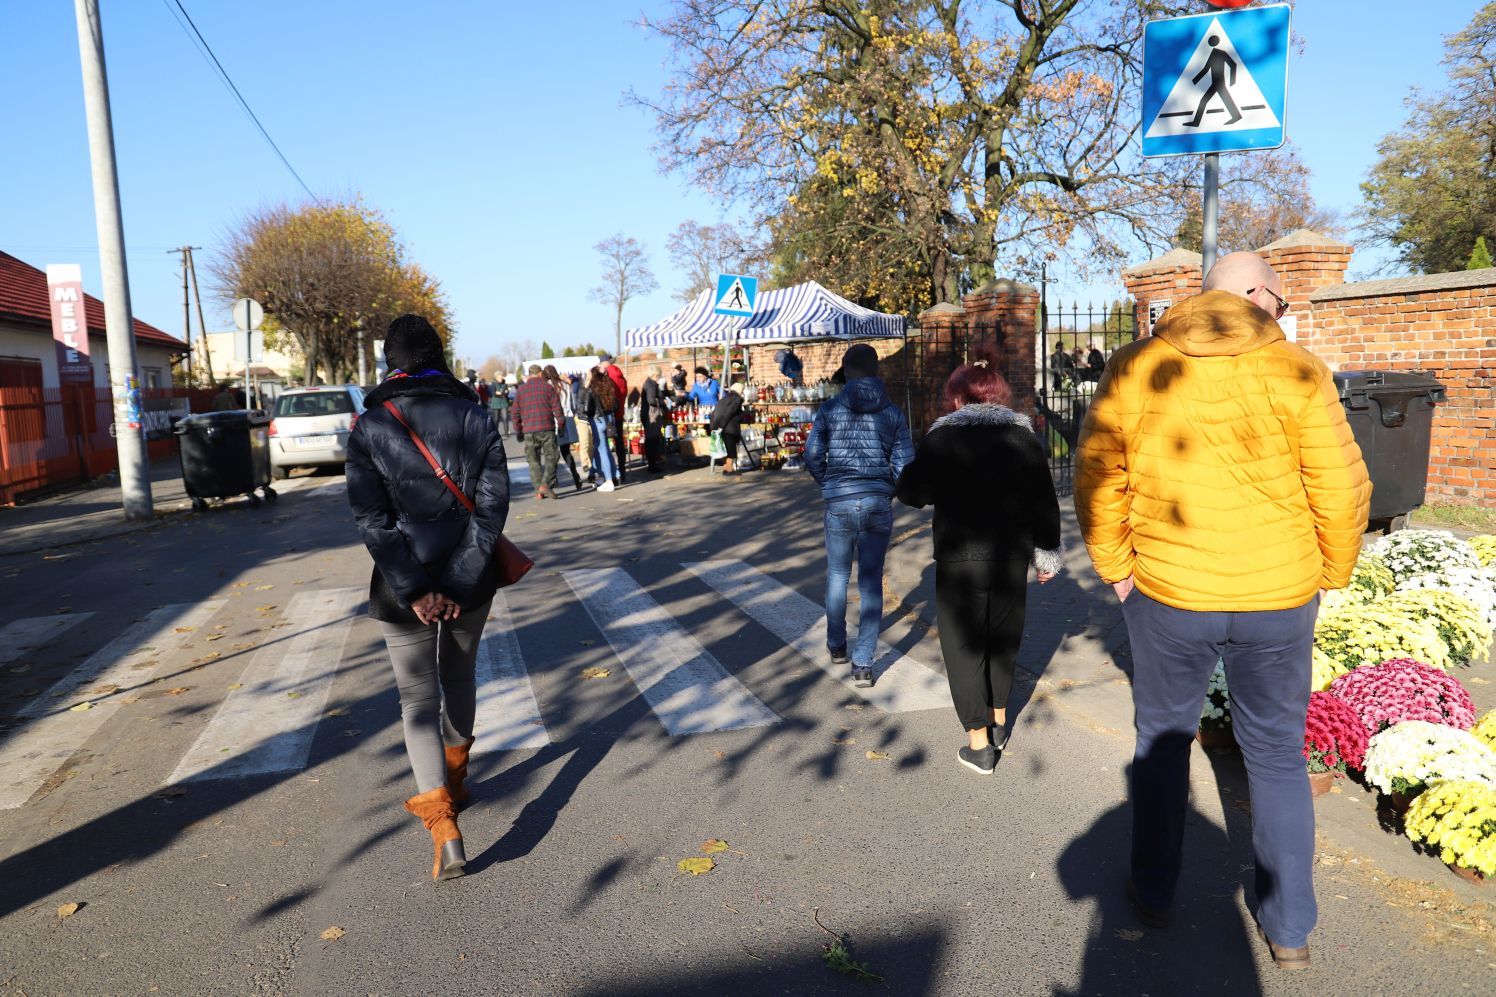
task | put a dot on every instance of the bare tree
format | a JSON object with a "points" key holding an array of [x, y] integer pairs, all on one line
{"points": [[516, 352], [625, 274], [700, 252]]}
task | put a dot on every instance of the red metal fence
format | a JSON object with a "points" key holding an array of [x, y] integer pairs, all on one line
{"points": [[51, 437]]}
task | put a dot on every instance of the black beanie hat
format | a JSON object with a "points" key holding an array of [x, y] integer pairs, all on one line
{"points": [[860, 361], [412, 345]]}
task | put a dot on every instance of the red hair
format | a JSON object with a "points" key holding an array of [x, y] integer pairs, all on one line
{"points": [[978, 383]]}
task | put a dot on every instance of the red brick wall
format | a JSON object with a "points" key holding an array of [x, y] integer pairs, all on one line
{"points": [[1442, 324]]}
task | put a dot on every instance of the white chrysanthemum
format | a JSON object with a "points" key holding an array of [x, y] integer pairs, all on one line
{"points": [[1416, 752], [1478, 585], [1423, 552]]}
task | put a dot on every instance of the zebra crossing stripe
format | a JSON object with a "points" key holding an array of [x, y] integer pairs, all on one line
{"points": [[268, 724], [54, 731], [687, 687], [903, 684], [508, 715], [21, 636]]}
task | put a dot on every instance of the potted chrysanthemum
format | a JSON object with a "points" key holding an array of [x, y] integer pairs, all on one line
{"points": [[1403, 689], [1485, 548], [1422, 552], [1402, 760], [1215, 733], [1366, 634], [1461, 624], [1334, 741], [1485, 729], [1456, 819]]}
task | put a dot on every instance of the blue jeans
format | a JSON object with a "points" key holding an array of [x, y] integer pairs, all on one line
{"points": [[601, 458], [1267, 669], [861, 525]]}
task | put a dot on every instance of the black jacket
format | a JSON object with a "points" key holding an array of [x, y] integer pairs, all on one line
{"points": [[988, 477], [421, 538], [727, 415], [651, 402]]}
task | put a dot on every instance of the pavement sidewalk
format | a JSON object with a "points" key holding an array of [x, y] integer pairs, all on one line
{"points": [[96, 512]]}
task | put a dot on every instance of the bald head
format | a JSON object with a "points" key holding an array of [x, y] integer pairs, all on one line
{"points": [[1240, 273]]}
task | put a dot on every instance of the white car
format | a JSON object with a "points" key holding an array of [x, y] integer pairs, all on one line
{"points": [[310, 426]]}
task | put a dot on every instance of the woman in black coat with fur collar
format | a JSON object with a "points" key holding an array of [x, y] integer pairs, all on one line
{"points": [[987, 476], [434, 575]]}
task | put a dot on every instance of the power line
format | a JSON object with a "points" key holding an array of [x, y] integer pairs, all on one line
{"points": [[224, 75]]}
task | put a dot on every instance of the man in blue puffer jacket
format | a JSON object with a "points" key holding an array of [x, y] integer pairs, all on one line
{"points": [[857, 448]]}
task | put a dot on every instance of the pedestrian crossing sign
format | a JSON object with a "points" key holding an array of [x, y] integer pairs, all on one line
{"points": [[736, 294], [1216, 82]]}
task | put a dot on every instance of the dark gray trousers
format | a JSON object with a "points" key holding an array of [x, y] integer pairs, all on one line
{"points": [[1267, 670]]}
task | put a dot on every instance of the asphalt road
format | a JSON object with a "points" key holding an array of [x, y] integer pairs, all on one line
{"points": [[224, 801]]}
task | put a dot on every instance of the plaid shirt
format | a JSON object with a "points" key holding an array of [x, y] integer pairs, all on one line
{"points": [[537, 407]]}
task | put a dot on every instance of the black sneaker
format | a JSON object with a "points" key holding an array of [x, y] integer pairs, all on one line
{"points": [[999, 734], [838, 655], [980, 760], [862, 678], [1153, 917]]}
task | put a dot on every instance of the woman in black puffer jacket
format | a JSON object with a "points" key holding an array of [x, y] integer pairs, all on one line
{"points": [[987, 476], [434, 575]]}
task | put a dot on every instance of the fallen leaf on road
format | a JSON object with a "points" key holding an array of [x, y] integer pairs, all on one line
{"points": [[293, 695], [264, 609], [80, 707], [1129, 934], [596, 673], [587, 643], [341, 711], [877, 756], [178, 690], [236, 685], [333, 934], [66, 911], [845, 741], [352, 732], [264, 588], [217, 636], [241, 585], [713, 845], [107, 689], [696, 866], [169, 792], [243, 647], [854, 707], [20, 669], [184, 630]]}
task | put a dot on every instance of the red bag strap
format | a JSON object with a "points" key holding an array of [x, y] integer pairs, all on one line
{"points": [[441, 472]]}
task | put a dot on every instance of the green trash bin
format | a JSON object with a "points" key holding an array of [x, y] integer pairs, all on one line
{"points": [[225, 454], [1391, 413]]}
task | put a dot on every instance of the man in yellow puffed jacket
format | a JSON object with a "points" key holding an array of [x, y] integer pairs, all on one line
{"points": [[1220, 491]]}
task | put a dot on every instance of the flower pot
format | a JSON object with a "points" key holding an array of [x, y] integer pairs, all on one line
{"points": [[1399, 802], [1469, 875], [1216, 738], [1320, 783]]}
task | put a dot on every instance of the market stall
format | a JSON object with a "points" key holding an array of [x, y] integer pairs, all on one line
{"points": [[783, 410]]}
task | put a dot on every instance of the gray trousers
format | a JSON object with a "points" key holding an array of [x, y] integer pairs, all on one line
{"points": [[438, 689]]}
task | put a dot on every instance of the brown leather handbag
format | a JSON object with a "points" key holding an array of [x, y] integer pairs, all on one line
{"points": [[512, 563]]}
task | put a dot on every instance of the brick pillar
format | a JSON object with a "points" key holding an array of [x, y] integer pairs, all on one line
{"points": [[1306, 262], [1170, 278], [1004, 315], [934, 348]]}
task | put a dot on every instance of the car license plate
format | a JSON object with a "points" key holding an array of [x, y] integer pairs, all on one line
{"points": [[316, 441]]}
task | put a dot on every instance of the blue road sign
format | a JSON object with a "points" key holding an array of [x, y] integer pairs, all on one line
{"points": [[735, 294], [1215, 82]]}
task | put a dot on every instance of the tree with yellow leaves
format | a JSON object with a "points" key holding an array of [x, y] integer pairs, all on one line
{"points": [[332, 276]]}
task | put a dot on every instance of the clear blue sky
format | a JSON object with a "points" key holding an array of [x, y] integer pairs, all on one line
{"points": [[493, 135]]}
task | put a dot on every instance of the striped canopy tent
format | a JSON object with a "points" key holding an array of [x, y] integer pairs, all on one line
{"points": [[791, 314]]}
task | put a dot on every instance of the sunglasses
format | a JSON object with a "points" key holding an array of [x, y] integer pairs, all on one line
{"points": [[1282, 304]]}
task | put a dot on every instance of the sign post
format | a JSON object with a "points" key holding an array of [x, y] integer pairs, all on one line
{"points": [[736, 295], [1215, 83], [248, 316]]}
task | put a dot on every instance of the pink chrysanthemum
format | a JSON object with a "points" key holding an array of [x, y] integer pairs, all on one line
{"points": [[1334, 739], [1404, 689]]}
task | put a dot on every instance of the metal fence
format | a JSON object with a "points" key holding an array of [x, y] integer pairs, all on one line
{"points": [[1074, 346], [50, 437]]}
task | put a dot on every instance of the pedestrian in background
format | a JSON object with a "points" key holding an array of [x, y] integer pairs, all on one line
{"points": [[652, 418], [678, 379], [987, 476], [598, 406], [499, 403], [727, 418], [568, 437], [621, 386], [1219, 491], [856, 450], [433, 577], [577, 385], [707, 389], [537, 424]]}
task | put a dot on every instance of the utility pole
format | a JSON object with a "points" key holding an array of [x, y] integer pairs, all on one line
{"points": [[129, 424], [186, 311], [201, 325]]}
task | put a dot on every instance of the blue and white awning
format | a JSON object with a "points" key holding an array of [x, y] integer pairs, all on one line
{"points": [[792, 314]]}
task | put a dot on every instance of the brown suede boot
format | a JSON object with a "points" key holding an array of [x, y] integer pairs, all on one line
{"points": [[440, 817], [457, 762]]}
